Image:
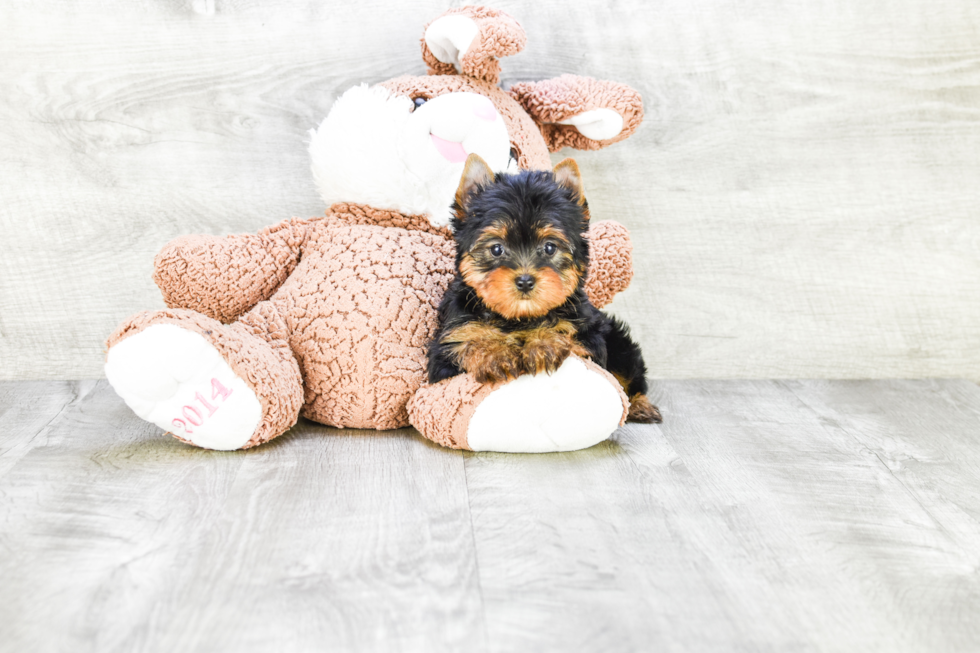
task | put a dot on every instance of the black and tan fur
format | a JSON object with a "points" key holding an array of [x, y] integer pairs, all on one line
{"points": [[517, 304]]}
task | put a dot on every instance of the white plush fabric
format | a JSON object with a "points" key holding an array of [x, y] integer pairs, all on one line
{"points": [[597, 124], [374, 149], [573, 408], [450, 37], [164, 372]]}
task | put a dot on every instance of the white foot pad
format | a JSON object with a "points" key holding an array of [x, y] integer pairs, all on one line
{"points": [[573, 408], [177, 380]]}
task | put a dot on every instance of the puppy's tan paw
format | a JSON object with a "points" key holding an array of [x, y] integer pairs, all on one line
{"points": [[642, 411], [545, 349]]}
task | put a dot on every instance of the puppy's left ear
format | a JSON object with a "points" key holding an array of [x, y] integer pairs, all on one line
{"points": [[567, 175], [476, 173]]}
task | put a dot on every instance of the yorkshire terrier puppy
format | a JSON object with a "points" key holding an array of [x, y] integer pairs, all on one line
{"points": [[517, 304]]}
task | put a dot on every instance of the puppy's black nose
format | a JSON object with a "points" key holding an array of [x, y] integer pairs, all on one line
{"points": [[525, 282]]}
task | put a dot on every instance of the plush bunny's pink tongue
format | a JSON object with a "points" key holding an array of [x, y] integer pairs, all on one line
{"points": [[450, 150]]}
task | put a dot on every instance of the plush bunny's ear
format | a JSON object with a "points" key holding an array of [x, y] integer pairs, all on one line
{"points": [[597, 124], [580, 112], [468, 40]]}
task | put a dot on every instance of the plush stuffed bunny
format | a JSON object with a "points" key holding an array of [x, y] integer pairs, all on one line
{"points": [[330, 317]]}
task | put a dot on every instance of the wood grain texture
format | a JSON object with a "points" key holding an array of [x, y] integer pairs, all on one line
{"points": [[117, 539], [754, 519], [803, 194], [925, 434], [761, 516], [26, 411], [806, 515]]}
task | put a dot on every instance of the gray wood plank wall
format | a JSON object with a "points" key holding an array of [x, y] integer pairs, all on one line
{"points": [[804, 194]]}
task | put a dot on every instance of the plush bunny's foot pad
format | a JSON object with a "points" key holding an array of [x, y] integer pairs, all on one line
{"points": [[212, 385], [577, 407], [177, 380]]}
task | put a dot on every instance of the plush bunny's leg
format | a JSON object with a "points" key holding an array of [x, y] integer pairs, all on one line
{"points": [[212, 385], [576, 407]]}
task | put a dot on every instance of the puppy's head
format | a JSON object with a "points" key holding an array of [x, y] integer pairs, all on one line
{"points": [[521, 238]]}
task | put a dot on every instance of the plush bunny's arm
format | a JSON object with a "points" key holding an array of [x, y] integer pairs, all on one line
{"points": [[581, 112], [610, 262], [223, 277], [468, 40]]}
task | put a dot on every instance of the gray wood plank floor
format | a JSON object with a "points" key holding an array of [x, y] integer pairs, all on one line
{"points": [[761, 516]]}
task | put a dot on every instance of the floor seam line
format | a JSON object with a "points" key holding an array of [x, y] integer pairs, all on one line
{"points": [[476, 554]]}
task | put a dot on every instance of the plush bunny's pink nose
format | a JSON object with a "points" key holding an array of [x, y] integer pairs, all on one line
{"points": [[485, 110]]}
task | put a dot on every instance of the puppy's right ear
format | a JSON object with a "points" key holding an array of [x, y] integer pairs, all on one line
{"points": [[476, 173], [568, 176]]}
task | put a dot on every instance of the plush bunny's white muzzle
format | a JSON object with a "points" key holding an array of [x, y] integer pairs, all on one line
{"points": [[380, 149]]}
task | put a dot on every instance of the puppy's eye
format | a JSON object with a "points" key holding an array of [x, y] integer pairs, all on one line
{"points": [[497, 249], [419, 101], [550, 249]]}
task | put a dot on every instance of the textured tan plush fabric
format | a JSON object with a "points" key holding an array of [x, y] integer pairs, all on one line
{"points": [[352, 213], [499, 36], [357, 311], [205, 273], [459, 397], [259, 356], [361, 311], [611, 262], [332, 316], [552, 100]]}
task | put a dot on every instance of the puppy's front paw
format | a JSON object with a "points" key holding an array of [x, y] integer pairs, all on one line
{"points": [[485, 352], [543, 357], [501, 365], [545, 350]]}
